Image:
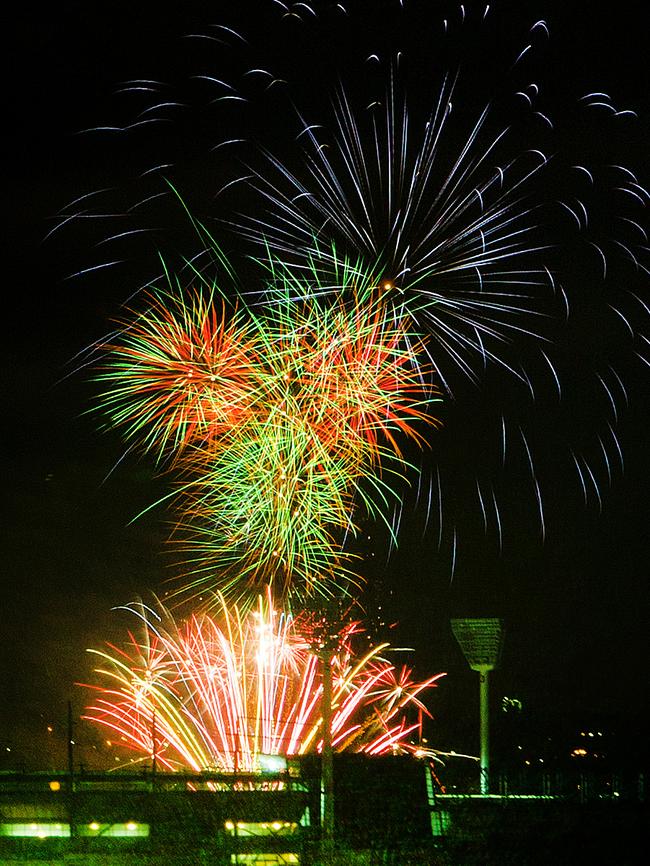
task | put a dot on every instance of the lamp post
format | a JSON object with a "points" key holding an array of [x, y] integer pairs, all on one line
{"points": [[481, 641]]}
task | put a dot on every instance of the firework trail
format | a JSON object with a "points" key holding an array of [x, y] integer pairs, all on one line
{"points": [[219, 691]]}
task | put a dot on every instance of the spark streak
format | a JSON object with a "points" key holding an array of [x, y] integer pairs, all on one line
{"points": [[216, 692]]}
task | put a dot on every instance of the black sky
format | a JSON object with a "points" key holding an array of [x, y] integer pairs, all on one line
{"points": [[576, 606]]}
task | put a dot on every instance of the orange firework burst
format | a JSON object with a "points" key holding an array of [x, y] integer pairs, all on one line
{"points": [[180, 373]]}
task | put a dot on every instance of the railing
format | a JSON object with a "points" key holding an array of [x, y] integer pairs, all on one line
{"points": [[626, 785], [148, 781]]}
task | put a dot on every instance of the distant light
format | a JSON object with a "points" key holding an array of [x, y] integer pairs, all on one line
{"points": [[55, 786], [273, 763], [229, 825], [115, 831]]}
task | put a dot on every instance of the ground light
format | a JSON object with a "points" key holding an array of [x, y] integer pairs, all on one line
{"points": [[481, 641]]}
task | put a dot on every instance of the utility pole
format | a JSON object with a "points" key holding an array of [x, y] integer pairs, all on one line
{"points": [[70, 746], [327, 756], [325, 624], [154, 749], [71, 803]]}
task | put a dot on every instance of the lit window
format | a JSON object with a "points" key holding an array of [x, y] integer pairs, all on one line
{"points": [[263, 828], [273, 763], [40, 830], [440, 823], [266, 859], [128, 830]]}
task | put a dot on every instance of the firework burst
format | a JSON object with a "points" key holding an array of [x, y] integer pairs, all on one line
{"points": [[467, 242], [181, 373], [219, 691], [281, 424], [494, 213]]}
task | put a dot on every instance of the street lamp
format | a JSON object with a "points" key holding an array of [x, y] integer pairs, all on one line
{"points": [[481, 641]]}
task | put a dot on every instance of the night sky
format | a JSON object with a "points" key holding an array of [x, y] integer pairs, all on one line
{"points": [[575, 604]]}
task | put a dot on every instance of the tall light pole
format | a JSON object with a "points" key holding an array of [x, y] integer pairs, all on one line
{"points": [[481, 641]]}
